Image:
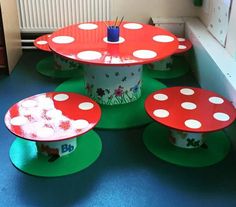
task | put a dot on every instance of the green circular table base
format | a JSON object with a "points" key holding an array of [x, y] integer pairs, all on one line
{"points": [[180, 67], [24, 156], [217, 146], [46, 67], [118, 116]]}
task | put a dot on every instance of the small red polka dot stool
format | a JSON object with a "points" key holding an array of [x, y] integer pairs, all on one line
{"points": [[173, 66], [53, 129], [188, 126], [55, 66]]}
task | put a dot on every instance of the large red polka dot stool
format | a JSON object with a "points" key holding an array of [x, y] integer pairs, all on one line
{"points": [[188, 128], [173, 66], [54, 133], [113, 70], [55, 66]]}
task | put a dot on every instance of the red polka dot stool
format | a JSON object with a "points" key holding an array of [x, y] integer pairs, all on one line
{"points": [[113, 70], [55, 66], [173, 66], [52, 130], [188, 126]]}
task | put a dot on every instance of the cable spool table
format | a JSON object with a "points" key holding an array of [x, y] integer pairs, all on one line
{"points": [[56, 66], [52, 130], [173, 66], [192, 119], [113, 70]]}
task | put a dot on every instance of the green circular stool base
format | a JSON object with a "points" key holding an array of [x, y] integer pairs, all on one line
{"points": [[180, 67], [217, 146], [46, 67], [24, 156], [118, 116]]}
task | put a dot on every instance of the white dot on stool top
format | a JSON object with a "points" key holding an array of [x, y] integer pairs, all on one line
{"points": [[161, 113], [18, 121], [187, 91], [29, 103], [45, 132], [221, 116], [86, 106], [216, 100], [182, 47], [144, 54], [42, 42], [89, 55], [80, 124], [63, 39], [163, 38], [132, 26], [88, 26], [61, 97], [189, 105], [160, 97], [192, 123], [181, 39], [54, 113], [121, 40]]}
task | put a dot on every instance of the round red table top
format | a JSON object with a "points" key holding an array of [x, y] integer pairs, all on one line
{"points": [[42, 43], [190, 109], [138, 44], [52, 116], [184, 45]]}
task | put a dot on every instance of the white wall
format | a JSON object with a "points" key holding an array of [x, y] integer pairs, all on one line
{"points": [[141, 11], [204, 15], [231, 38]]}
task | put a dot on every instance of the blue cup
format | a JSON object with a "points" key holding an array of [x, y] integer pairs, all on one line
{"points": [[113, 34]]}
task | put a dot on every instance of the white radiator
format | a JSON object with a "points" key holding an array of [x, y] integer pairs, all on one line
{"points": [[49, 15]]}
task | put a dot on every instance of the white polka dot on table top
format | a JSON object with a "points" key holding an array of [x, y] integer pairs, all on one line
{"points": [[163, 38], [53, 116], [63, 39], [182, 47], [61, 97], [45, 132], [187, 91], [161, 113], [54, 113], [221, 116], [86, 106], [216, 100], [89, 55], [180, 39], [88, 26], [160, 97], [190, 109], [42, 42], [189, 105], [132, 26], [144, 54], [80, 124], [121, 40], [193, 124], [29, 103], [19, 121]]}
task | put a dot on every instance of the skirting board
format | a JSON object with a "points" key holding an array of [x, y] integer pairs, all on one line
{"points": [[213, 66]]}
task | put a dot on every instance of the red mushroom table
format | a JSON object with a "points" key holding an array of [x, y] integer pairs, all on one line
{"points": [[54, 127], [113, 70], [55, 66], [189, 117], [173, 66]]}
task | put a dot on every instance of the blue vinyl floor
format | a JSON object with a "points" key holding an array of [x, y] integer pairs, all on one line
{"points": [[126, 173]]}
